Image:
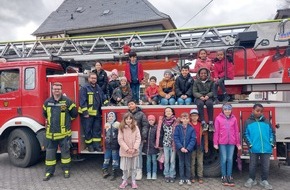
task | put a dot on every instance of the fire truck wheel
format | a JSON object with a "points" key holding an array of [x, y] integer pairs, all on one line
{"points": [[23, 148], [211, 162]]}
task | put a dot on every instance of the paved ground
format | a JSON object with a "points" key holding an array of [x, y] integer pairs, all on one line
{"points": [[86, 175]]}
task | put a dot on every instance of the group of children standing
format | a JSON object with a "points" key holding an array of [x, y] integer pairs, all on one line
{"points": [[185, 138]]}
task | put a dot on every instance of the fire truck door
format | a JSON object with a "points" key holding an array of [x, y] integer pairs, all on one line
{"points": [[10, 94]]}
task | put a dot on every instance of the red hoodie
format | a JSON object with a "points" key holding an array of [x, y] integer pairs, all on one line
{"points": [[219, 69]]}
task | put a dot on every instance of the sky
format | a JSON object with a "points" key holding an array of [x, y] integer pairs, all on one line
{"points": [[20, 18]]}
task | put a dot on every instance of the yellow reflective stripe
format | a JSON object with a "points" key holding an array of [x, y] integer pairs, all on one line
{"points": [[81, 110], [50, 162], [88, 141], [97, 139], [62, 122], [92, 112], [58, 135], [44, 107], [71, 106], [90, 98], [65, 160], [48, 112]]}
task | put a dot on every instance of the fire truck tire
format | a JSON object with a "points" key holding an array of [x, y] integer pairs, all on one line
{"points": [[212, 169], [23, 148]]}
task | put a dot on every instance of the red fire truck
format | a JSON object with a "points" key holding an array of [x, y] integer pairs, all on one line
{"points": [[260, 52]]}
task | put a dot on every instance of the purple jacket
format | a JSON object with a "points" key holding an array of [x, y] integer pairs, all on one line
{"points": [[226, 130]]}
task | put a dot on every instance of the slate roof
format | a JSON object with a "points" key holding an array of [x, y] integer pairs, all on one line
{"points": [[88, 14]]}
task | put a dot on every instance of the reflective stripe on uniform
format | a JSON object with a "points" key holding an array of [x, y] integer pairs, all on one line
{"points": [[50, 162], [92, 112], [81, 110], [57, 136], [65, 160], [89, 141], [97, 139], [90, 98], [62, 123], [71, 106]]}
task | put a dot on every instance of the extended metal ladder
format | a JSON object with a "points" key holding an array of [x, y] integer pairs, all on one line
{"points": [[147, 44]]}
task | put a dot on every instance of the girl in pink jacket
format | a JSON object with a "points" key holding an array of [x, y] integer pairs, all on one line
{"points": [[226, 137], [202, 62], [129, 139]]}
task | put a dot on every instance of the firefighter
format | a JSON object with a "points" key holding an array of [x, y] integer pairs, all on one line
{"points": [[91, 99], [58, 110]]}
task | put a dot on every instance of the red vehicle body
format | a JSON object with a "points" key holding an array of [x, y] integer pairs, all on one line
{"points": [[25, 85]]}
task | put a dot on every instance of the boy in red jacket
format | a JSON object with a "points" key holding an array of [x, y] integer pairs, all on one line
{"points": [[222, 72], [152, 91]]}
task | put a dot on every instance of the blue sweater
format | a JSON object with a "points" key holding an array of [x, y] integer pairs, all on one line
{"points": [[259, 135], [184, 137]]}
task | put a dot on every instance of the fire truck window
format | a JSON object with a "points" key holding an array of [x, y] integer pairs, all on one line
{"points": [[29, 78], [53, 72], [9, 80]]}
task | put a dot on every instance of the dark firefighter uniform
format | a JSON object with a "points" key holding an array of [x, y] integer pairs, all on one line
{"points": [[58, 132], [91, 99]]}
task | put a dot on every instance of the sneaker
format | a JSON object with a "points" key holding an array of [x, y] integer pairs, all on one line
{"points": [[167, 180], [154, 176], [250, 183], [224, 181], [200, 180], [210, 127], [188, 182], [149, 175], [123, 184], [226, 98], [216, 101], [171, 180], [47, 176], [231, 181], [139, 174], [204, 126], [134, 185], [181, 182], [266, 184]]}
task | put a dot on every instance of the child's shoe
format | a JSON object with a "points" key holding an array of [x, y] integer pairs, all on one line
{"points": [[123, 184], [154, 176], [224, 181], [204, 126], [181, 182], [231, 181], [149, 175], [210, 127], [134, 185]]}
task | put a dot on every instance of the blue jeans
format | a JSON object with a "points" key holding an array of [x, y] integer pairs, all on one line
{"points": [[151, 159], [169, 162], [135, 91], [170, 101], [184, 162], [186, 101], [114, 154], [226, 156], [265, 164]]}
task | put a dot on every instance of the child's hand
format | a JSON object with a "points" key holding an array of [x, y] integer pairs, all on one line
{"points": [[206, 150], [239, 147], [216, 147]]}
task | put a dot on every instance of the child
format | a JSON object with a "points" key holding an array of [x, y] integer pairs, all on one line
{"points": [[135, 74], [201, 145], [261, 140], [142, 123], [220, 75], [152, 91], [167, 89], [150, 150], [226, 137], [122, 94], [183, 86], [202, 91], [185, 139], [165, 139], [202, 62], [129, 140], [102, 78], [111, 145], [113, 83]]}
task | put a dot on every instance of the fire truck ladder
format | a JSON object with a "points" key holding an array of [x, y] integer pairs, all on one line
{"points": [[147, 44]]}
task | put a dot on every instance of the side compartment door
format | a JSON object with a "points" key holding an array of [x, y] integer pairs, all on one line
{"points": [[10, 94]]}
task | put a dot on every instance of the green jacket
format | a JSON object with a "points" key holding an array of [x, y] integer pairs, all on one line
{"points": [[201, 88]]}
